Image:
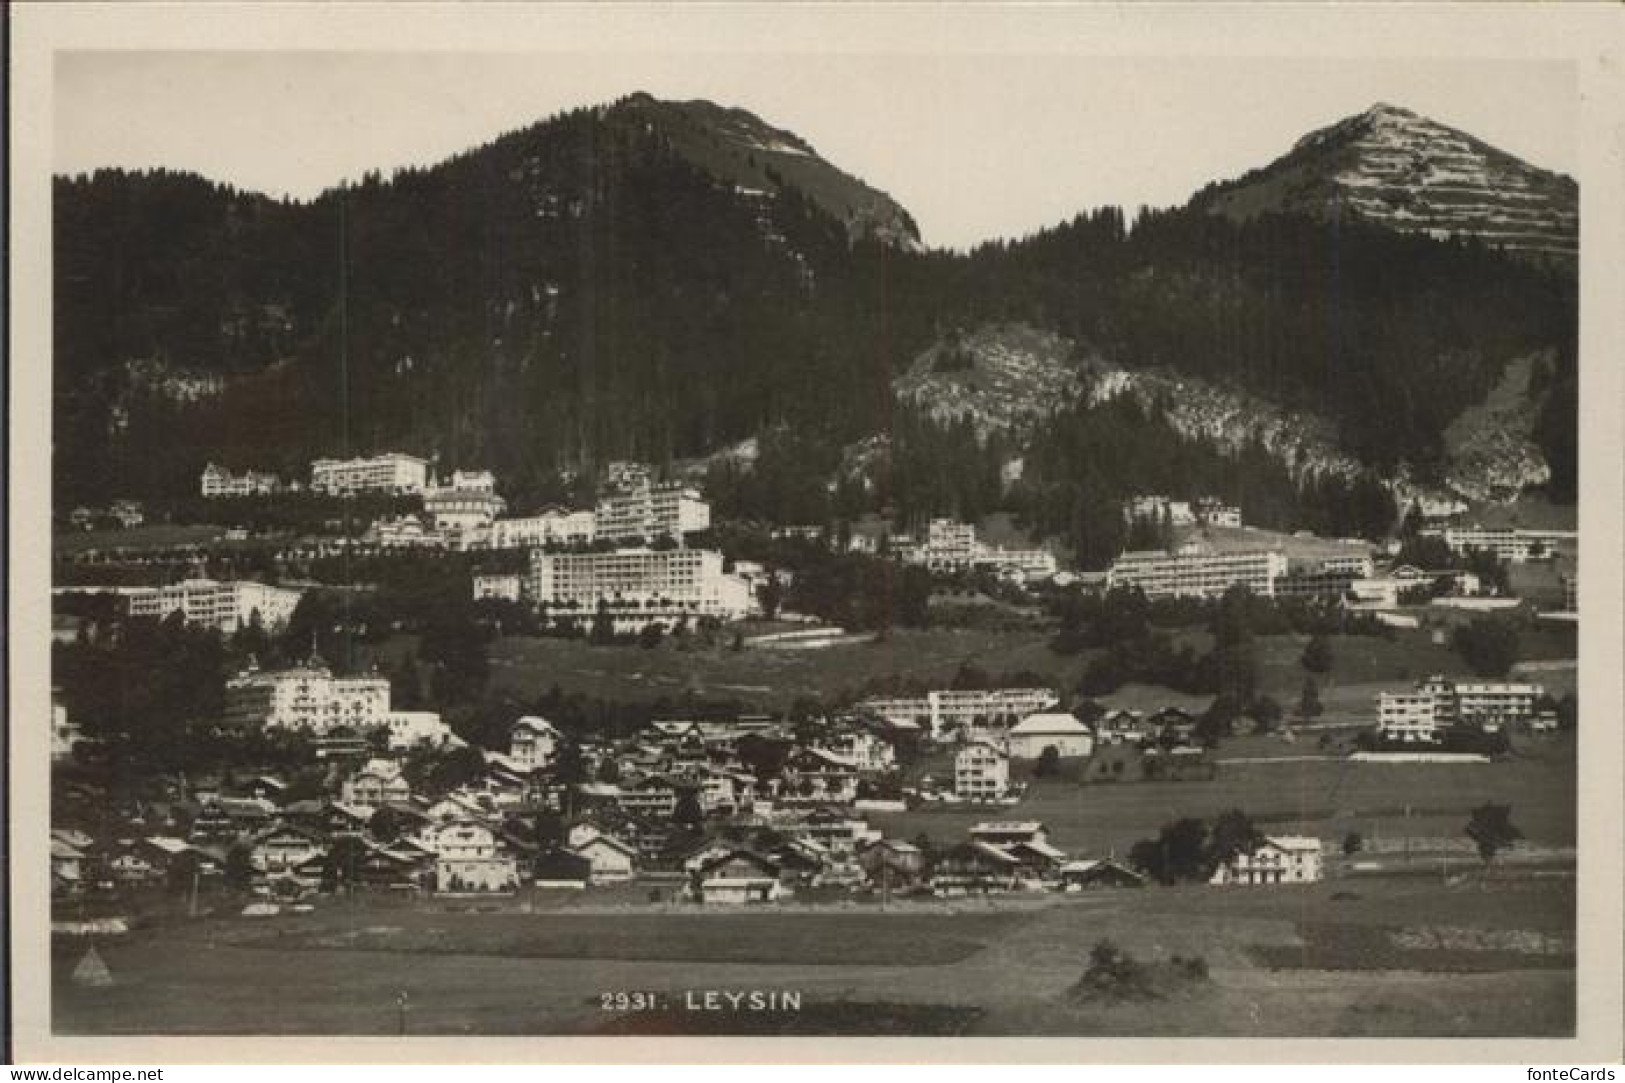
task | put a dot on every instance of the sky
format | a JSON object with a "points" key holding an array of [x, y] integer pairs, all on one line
{"points": [[976, 147]]}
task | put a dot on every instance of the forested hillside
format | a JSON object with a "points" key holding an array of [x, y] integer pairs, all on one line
{"points": [[594, 287]]}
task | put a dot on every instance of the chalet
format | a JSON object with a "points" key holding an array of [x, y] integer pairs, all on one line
{"points": [[611, 859], [1279, 859], [651, 796], [278, 849], [133, 867], [737, 877], [1037, 860], [1174, 727], [1098, 873], [385, 869], [339, 819], [562, 869], [835, 831], [814, 774], [974, 868], [267, 788], [893, 861], [379, 782], [470, 858], [67, 868], [1124, 727], [533, 743]]}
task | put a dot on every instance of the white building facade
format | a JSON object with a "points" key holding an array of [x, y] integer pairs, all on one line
{"points": [[637, 587], [1197, 571], [391, 472], [227, 606]]}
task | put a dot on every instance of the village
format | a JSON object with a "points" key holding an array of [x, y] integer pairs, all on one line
{"points": [[715, 808]]}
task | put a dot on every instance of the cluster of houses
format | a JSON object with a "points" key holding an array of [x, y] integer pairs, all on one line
{"points": [[736, 810]]}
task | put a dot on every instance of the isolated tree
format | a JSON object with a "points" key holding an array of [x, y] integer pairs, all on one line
{"points": [[771, 595], [1266, 712], [1489, 645], [1179, 852], [651, 634], [609, 771], [1317, 655], [385, 826], [1353, 843], [687, 811], [1049, 761], [1233, 833], [240, 867], [1492, 829]]}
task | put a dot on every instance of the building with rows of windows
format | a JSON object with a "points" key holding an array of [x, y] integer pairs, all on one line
{"points": [[637, 587], [1196, 570], [391, 472], [467, 502], [227, 606], [643, 512], [966, 711], [1438, 703], [555, 526], [218, 482]]}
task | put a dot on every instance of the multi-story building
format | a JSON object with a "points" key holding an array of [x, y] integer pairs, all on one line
{"points": [[1515, 546], [1028, 565], [129, 513], [981, 772], [1196, 570], [391, 472], [965, 710], [533, 742], [637, 587], [1409, 717], [227, 606], [507, 587], [1210, 511], [1438, 704], [406, 532], [1280, 859], [308, 698], [217, 481], [1154, 507], [551, 527], [644, 512], [1329, 577], [1571, 593], [1494, 704], [467, 502]]}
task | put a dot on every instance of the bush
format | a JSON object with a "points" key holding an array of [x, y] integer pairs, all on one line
{"points": [[1113, 976]]}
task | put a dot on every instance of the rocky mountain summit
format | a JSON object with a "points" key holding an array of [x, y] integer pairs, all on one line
{"points": [[1396, 168]]}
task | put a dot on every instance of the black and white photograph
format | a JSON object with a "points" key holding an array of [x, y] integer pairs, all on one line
{"points": [[904, 539]]}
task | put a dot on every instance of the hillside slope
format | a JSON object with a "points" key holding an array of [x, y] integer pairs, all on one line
{"points": [[1395, 168]]}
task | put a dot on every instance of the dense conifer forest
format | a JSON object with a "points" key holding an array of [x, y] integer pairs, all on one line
{"points": [[583, 290]]}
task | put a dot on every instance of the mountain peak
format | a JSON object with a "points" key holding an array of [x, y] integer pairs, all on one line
{"points": [[1397, 168], [741, 148]]}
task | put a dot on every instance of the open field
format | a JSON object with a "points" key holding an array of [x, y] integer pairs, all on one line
{"points": [[1327, 798], [206, 978], [155, 536], [1363, 665], [768, 678]]}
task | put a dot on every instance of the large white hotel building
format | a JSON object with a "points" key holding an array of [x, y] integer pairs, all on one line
{"points": [[392, 472], [644, 512], [638, 586], [1436, 704], [552, 527], [1197, 571], [227, 606]]}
